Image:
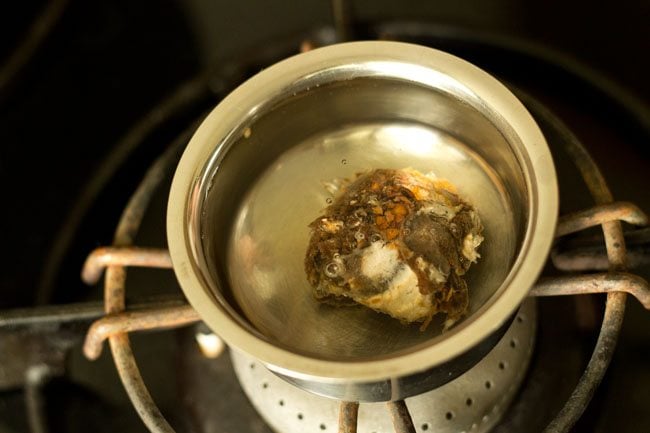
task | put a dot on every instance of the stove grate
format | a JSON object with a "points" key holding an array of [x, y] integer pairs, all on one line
{"points": [[607, 213]]}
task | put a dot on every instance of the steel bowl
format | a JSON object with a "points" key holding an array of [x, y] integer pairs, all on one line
{"points": [[265, 163]]}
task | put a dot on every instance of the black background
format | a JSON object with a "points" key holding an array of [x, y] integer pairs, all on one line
{"points": [[107, 63]]}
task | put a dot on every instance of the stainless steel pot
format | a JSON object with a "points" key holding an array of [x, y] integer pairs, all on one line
{"points": [[263, 164]]}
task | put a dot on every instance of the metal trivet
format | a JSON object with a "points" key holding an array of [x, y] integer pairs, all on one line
{"points": [[118, 322], [473, 402]]}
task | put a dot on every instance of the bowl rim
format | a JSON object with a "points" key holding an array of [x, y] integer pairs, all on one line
{"points": [[227, 116]]}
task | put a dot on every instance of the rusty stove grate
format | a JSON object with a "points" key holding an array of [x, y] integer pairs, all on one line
{"points": [[118, 322]]}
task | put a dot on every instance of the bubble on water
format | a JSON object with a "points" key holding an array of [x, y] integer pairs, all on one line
{"points": [[344, 161], [375, 237], [328, 201], [406, 231], [359, 236], [333, 269], [360, 213]]}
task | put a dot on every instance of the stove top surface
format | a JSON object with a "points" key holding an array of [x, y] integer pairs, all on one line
{"points": [[101, 72]]}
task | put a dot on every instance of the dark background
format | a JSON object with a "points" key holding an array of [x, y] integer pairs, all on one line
{"points": [[106, 64]]}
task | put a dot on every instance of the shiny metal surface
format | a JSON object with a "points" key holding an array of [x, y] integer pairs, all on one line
{"points": [[266, 249], [466, 404], [252, 178]]}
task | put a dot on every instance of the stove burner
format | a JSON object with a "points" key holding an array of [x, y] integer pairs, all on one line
{"points": [[474, 402], [36, 320], [606, 215]]}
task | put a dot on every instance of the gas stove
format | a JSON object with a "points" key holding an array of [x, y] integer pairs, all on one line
{"points": [[47, 383]]}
